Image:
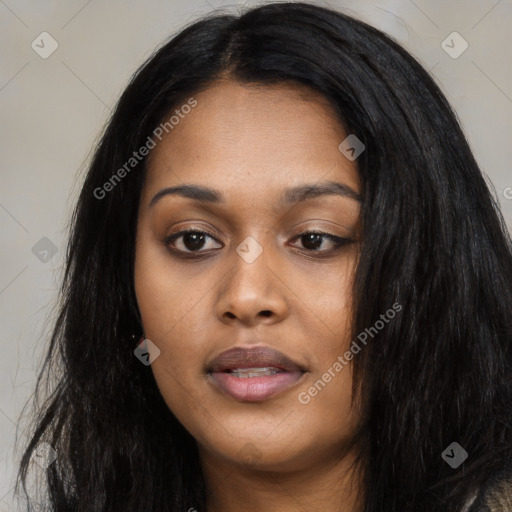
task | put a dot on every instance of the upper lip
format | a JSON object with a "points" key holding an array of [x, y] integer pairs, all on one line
{"points": [[252, 357]]}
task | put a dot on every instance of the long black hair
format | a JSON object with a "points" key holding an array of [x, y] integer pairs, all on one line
{"points": [[433, 240]]}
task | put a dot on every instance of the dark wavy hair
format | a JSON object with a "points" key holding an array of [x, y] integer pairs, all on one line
{"points": [[433, 240]]}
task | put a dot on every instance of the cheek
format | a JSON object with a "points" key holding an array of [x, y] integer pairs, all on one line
{"points": [[171, 310], [168, 294], [176, 328], [326, 398], [173, 318], [328, 305]]}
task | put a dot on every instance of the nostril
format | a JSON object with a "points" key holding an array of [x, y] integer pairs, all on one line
{"points": [[266, 313]]}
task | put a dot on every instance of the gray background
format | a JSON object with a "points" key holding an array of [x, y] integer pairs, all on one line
{"points": [[53, 109]]}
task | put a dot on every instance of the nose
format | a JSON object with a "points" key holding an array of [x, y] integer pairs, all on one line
{"points": [[252, 293]]}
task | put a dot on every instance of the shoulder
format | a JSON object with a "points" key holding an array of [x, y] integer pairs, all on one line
{"points": [[495, 495], [498, 497]]}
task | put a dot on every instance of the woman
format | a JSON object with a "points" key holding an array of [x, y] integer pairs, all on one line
{"points": [[287, 288]]}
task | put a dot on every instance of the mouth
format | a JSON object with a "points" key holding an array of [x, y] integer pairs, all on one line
{"points": [[249, 373], [253, 374]]}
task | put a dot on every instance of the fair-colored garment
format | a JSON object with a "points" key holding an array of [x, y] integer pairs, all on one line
{"points": [[499, 497], [495, 496]]}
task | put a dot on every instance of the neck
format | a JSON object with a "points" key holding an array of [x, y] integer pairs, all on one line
{"points": [[325, 487]]}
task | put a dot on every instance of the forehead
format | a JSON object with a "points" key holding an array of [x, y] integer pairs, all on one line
{"points": [[255, 137]]}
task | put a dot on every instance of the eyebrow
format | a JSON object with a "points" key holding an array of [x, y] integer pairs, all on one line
{"points": [[291, 196]]}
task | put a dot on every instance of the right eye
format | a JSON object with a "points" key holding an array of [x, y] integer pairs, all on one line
{"points": [[188, 241]]}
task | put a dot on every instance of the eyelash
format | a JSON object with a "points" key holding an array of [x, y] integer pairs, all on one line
{"points": [[339, 243]]}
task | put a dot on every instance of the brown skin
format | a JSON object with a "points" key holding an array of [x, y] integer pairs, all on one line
{"points": [[251, 143]]}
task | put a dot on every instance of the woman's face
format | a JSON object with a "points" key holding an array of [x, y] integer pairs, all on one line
{"points": [[250, 280]]}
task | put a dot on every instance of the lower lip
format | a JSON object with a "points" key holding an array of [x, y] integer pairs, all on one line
{"points": [[254, 389]]}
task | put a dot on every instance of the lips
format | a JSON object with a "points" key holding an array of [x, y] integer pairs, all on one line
{"points": [[253, 374], [253, 357]]}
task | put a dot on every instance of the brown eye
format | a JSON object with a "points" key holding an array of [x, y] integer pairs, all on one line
{"points": [[314, 240], [189, 241]]}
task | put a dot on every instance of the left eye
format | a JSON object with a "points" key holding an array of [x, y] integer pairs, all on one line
{"points": [[313, 240]]}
